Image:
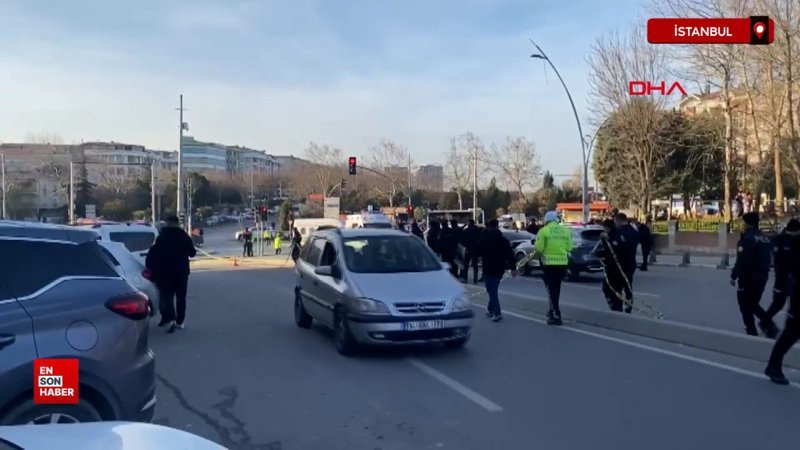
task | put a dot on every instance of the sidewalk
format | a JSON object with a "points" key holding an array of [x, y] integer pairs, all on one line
{"points": [[695, 260], [212, 262]]}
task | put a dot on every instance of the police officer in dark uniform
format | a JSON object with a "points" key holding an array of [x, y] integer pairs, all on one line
{"points": [[791, 332], [646, 241], [753, 260], [614, 281], [628, 243], [782, 254], [470, 237]]}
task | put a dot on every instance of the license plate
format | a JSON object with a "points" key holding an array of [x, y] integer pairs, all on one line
{"points": [[423, 325]]}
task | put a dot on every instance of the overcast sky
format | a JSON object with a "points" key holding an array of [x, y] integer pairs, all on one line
{"points": [[277, 74]]}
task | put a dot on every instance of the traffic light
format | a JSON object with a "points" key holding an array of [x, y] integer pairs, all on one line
{"points": [[352, 165], [264, 212], [344, 184], [410, 210]]}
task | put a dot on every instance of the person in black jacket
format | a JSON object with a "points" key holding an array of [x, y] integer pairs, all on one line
{"points": [[434, 237], [751, 270], [783, 255], [646, 241], [628, 243], [449, 245], [497, 257], [168, 260], [470, 238], [791, 331], [614, 281], [416, 230]]}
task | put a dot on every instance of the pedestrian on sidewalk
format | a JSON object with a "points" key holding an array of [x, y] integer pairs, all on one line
{"points": [[626, 256], [276, 243], [497, 257], [751, 271], [791, 331], [247, 247], [783, 258], [168, 260], [614, 280], [645, 241], [553, 243]]}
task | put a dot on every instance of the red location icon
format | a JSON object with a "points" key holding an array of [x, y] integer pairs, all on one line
{"points": [[759, 29]]}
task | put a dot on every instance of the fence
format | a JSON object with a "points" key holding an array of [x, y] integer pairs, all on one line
{"points": [[707, 226]]}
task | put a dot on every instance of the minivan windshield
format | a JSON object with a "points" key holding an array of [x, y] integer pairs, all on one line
{"points": [[388, 254]]}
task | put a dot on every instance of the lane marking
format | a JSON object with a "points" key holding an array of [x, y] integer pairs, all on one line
{"points": [[662, 351], [482, 401]]}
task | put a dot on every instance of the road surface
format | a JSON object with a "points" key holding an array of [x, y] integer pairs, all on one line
{"points": [[244, 375]]}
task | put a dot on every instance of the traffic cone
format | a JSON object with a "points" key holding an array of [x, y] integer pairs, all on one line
{"points": [[235, 262]]}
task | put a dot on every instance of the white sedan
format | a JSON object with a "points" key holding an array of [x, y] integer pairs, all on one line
{"points": [[102, 436]]}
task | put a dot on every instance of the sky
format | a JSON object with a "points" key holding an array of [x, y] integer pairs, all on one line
{"points": [[276, 75]]}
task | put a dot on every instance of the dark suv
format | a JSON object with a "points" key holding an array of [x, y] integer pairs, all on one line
{"points": [[61, 298]]}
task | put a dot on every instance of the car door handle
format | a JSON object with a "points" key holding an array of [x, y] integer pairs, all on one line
{"points": [[6, 340]]}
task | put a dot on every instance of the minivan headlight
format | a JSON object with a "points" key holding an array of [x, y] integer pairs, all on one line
{"points": [[461, 303], [367, 306]]}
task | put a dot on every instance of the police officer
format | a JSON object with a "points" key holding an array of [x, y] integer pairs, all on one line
{"points": [[791, 331], [614, 281], [553, 243], [753, 260], [628, 242], [469, 239], [782, 254], [646, 241]]}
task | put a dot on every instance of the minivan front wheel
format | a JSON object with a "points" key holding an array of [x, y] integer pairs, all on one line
{"points": [[29, 413], [345, 344]]}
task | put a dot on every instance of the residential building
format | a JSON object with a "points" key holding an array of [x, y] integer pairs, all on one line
{"points": [[430, 177], [245, 160], [204, 156]]}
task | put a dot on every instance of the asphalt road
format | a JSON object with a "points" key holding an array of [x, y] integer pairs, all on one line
{"points": [[244, 375]]}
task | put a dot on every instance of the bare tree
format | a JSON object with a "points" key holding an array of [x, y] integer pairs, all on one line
{"points": [[460, 161], [714, 64], [392, 161], [633, 122], [516, 165], [326, 167]]}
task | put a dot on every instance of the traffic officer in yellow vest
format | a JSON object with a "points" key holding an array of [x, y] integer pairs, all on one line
{"points": [[553, 244]]}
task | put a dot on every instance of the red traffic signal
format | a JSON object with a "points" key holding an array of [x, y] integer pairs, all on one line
{"points": [[351, 163], [410, 210]]}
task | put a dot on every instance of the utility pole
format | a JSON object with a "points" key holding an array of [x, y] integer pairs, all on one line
{"points": [[409, 178], [252, 190], [153, 215], [71, 193], [182, 126], [3, 169], [475, 184]]}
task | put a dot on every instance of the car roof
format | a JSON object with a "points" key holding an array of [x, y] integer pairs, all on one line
{"points": [[358, 232], [119, 227], [44, 231]]}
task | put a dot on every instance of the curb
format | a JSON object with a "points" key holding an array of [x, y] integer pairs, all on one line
{"points": [[720, 341], [700, 266], [213, 263]]}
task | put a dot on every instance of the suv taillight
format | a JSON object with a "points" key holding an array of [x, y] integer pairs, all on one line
{"points": [[134, 306], [147, 274]]}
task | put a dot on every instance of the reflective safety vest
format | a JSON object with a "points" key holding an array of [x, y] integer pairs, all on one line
{"points": [[554, 243]]}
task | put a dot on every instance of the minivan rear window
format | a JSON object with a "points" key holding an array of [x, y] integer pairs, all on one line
{"points": [[134, 241], [591, 235]]}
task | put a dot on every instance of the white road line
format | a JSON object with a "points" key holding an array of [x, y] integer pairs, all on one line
{"points": [[662, 351], [484, 402]]}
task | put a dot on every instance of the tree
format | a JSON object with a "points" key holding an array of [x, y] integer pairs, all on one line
{"points": [[493, 198], [284, 213], [464, 150], [627, 156], [392, 161], [83, 190], [326, 169], [116, 209], [517, 164]]}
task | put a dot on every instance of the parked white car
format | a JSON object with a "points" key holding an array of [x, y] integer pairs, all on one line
{"points": [[102, 436], [137, 238], [130, 268]]}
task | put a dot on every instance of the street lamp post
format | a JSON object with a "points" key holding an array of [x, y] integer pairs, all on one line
{"points": [[585, 188]]}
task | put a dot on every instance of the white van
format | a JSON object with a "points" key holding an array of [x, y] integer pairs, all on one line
{"points": [[368, 220], [136, 238], [308, 226]]}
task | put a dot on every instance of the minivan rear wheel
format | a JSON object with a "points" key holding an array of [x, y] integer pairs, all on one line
{"points": [[345, 344], [29, 413], [301, 317]]}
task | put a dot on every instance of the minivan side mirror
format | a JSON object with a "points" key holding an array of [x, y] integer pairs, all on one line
{"points": [[325, 271]]}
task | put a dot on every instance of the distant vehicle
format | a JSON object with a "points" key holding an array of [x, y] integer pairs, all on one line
{"points": [[368, 219], [130, 268], [379, 287], [461, 215], [60, 297], [308, 226], [581, 259], [137, 238], [103, 435]]}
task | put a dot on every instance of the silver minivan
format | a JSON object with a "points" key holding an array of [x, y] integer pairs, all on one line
{"points": [[379, 287]]}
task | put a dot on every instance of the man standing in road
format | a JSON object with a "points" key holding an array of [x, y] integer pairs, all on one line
{"points": [[629, 242], [553, 243], [791, 331], [751, 270], [247, 246], [168, 259], [497, 257], [470, 238], [783, 257], [646, 241]]}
